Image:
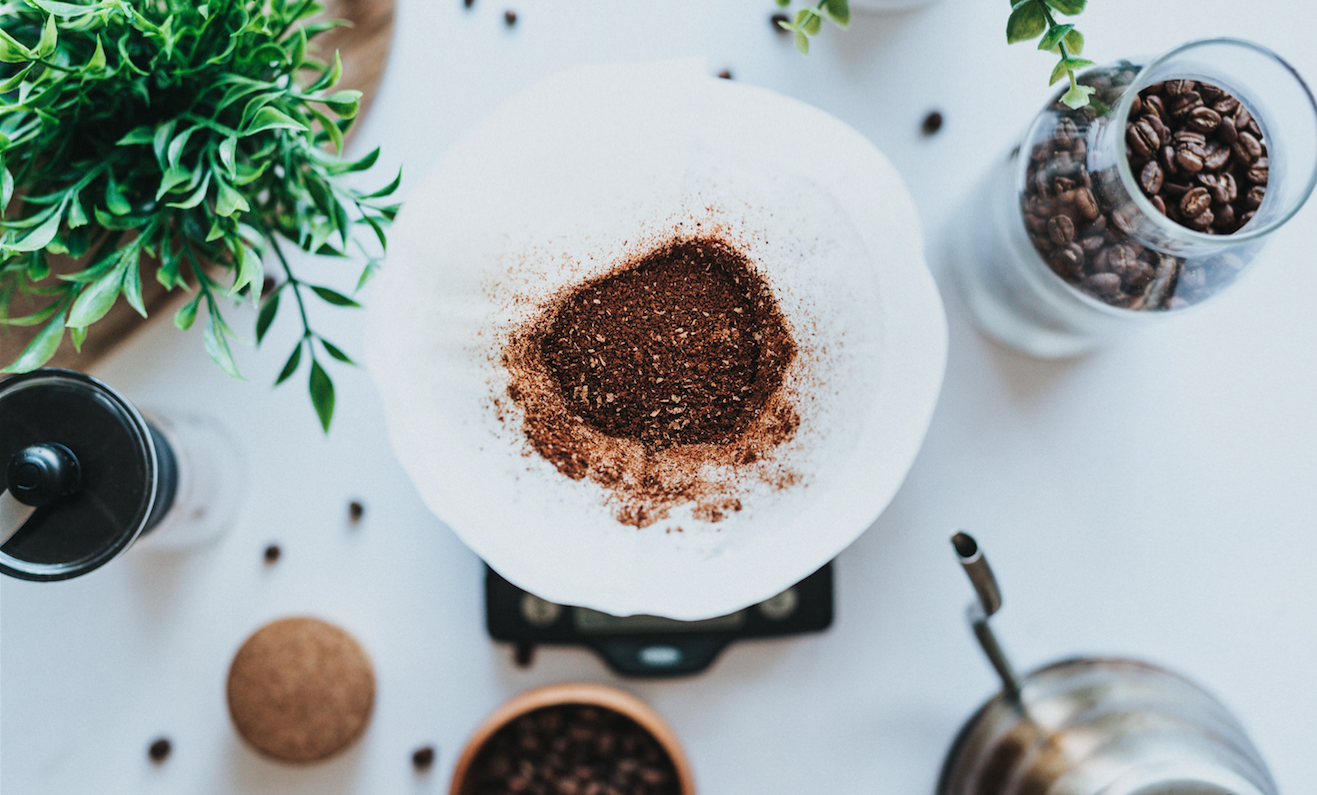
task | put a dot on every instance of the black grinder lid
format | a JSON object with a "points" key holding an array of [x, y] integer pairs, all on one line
{"points": [[90, 509]]}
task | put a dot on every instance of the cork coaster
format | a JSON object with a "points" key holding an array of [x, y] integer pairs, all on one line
{"points": [[301, 690]]}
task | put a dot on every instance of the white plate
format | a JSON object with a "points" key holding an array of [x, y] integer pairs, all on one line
{"points": [[553, 189]]}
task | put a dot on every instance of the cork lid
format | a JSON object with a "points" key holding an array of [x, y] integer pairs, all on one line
{"points": [[301, 690]]}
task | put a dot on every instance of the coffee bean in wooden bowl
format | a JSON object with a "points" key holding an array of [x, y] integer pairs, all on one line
{"points": [[577, 738]]}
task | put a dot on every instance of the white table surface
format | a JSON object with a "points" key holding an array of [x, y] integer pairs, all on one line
{"points": [[1156, 499]]}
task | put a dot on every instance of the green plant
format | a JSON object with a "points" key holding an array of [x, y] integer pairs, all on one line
{"points": [[808, 21], [1030, 19], [177, 137]]}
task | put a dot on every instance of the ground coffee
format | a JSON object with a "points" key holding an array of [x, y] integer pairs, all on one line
{"points": [[662, 381], [683, 348]]}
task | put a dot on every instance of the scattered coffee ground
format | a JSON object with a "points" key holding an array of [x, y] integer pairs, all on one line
{"points": [[725, 74], [573, 748], [510, 17], [932, 123], [355, 511], [423, 757], [272, 553], [159, 750], [777, 20], [1199, 157], [645, 378]]}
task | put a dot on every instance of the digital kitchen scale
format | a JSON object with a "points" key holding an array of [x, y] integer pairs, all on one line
{"points": [[650, 645]]}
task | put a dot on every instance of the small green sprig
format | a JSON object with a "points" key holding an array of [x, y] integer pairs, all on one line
{"points": [[1033, 18], [181, 138], [808, 21]]}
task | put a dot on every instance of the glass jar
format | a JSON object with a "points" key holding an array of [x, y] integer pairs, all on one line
{"points": [[1145, 203]]}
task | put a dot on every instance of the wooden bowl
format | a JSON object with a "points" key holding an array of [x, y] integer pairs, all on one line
{"points": [[609, 698]]}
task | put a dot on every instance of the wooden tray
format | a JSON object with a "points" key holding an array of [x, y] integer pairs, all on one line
{"points": [[364, 48]]}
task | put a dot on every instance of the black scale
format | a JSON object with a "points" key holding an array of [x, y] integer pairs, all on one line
{"points": [[649, 645]]}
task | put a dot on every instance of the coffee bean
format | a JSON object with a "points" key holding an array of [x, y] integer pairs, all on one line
{"points": [[1069, 261], [1203, 120], [510, 18], [272, 553], [1061, 229], [1185, 103], [1136, 105], [1216, 156], [1201, 221], [423, 757], [159, 750], [1188, 161], [355, 511], [1143, 139], [1247, 149], [1242, 117], [1166, 157], [725, 74], [1210, 92], [1226, 130], [1255, 196], [1159, 204], [1195, 202], [1092, 244], [1151, 178], [1087, 204], [1177, 88], [1121, 259], [1104, 284], [1226, 105], [1174, 190], [932, 123], [1225, 216], [1259, 172], [1155, 103]]}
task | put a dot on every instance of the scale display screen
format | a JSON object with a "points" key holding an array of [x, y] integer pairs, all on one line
{"points": [[593, 622]]}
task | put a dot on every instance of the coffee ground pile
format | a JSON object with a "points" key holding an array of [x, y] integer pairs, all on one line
{"points": [[573, 748], [681, 349], [643, 378]]}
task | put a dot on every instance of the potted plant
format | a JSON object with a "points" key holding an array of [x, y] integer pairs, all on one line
{"points": [[177, 141]]}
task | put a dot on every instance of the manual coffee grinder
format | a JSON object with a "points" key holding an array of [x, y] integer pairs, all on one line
{"points": [[85, 474], [1093, 726]]}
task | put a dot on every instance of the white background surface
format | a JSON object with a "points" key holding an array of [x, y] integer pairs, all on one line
{"points": [[1155, 499]]}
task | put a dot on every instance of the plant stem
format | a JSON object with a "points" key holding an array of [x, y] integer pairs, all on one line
{"points": [[292, 280]]}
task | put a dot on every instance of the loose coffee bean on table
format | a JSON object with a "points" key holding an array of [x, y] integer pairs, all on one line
{"points": [[573, 749], [1196, 153]]}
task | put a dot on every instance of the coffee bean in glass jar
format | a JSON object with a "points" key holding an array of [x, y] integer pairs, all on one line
{"points": [[572, 749], [1195, 152]]}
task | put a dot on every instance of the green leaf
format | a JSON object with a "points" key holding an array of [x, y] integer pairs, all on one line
{"points": [[33, 319], [10, 83], [12, 51], [227, 148], [1074, 42], [392, 186], [337, 299], [250, 274], [368, 273], [290, 366], [76, 336], [344, 103], [217, 347], [364, 163], [49, 38], [187, 313], [97, 298], [1068, 7], [839, 11], [42, 235], [97, 58], [77, 215], [40, 349], [1052, 38], [1026, 22], [322, 394], [65, 10], [230, 200], [802, 43], [1066, 66], [114, 199], [268, 118], [139, 135], [813, 25], [333, 350], [1077, 96], [330, 76], [132, 285], [196, 198], [6, 188], [266, 316]]}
